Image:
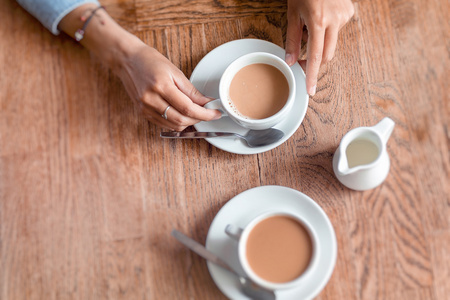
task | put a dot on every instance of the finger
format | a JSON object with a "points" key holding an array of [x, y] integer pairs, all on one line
{"points": [[314, 53], [293, 39], [350, 12], [174, 121], [198, 99], [186, 107], [187, 88], [331, 36], [155, 110], [156, 119]]}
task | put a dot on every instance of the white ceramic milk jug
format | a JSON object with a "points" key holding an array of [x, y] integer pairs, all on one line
{"points": [[361, 161]]}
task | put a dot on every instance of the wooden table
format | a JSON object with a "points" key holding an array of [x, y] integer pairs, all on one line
{"points": [[89, 193]]}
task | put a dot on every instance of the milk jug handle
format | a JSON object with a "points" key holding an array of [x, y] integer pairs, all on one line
{"points": [[384, 128]]}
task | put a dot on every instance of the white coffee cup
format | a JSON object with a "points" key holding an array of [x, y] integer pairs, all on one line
{"points": [[223, 104], [242, 236]]}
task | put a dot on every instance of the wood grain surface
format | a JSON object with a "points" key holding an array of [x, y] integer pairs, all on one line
{"points": [[89, 192]]}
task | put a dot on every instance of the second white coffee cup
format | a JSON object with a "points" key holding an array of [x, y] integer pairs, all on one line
{"points": [[277, 250], [225, 103]]}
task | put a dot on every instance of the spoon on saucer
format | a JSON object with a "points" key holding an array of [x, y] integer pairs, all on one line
{"points": [[248, 287], [254, 138]]}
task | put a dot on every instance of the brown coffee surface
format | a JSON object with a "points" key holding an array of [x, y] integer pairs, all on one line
{"points": [[279, 249], [259, 91]]}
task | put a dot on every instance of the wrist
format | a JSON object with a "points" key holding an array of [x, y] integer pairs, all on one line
{"points": [[111, 43], [106, 39]]}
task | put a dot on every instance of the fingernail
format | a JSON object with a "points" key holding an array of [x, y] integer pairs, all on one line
{"points": [[289, 59], [217, 116], [312, 91]]}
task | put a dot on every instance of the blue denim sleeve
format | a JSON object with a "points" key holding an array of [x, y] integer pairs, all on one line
{"points": [[50, 12]]}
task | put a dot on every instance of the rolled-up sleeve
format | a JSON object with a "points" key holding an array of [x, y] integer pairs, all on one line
{"points": [[50, 12]]}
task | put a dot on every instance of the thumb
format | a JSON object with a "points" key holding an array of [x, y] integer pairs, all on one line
{"points": [[187, 88]]}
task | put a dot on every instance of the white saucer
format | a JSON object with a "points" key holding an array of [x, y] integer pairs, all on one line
{"points": [[242, 209], [206, 77]]}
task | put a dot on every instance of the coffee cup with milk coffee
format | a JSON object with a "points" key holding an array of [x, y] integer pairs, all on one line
{"points": [[257, 91], [277, 250]]}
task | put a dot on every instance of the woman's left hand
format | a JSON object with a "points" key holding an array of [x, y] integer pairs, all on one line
{"points": [[323, 19]]}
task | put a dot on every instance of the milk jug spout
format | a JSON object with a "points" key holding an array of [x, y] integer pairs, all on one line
{"points": [[384, 129], [343, 168]]}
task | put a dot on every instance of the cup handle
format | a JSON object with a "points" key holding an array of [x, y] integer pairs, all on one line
{"points": [[233, 232], [216, 104]]}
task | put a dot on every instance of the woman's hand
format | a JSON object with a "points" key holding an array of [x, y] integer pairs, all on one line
{"points": [[155, 83], [323, 20], [150, 79]]}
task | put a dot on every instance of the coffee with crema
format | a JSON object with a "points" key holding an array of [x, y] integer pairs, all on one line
{"points": [[279, 249], [258, 91]]}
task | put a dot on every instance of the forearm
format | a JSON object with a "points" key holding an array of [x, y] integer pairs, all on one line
{"points": [[50, 12]]}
